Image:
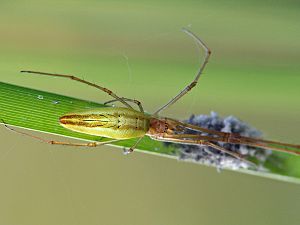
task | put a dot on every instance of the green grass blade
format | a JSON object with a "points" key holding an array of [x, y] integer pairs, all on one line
{"points": [[39, 111]]}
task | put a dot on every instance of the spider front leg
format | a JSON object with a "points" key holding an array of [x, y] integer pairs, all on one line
{"points": [[109, 92]]}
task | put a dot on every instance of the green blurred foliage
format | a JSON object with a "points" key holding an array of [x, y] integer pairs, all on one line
{"points": [[136, 49]]}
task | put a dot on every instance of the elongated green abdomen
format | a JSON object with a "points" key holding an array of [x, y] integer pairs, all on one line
{"points": [[111, 122]]}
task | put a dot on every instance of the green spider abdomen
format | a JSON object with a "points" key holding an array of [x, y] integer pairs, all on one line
{"points": [[110, 122]]}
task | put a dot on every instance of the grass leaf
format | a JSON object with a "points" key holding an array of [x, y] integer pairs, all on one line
{"points": [[39, 111]]}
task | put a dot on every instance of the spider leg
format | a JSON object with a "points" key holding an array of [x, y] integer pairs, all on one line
{"points": [[109, 92], [195, 81], [131, 149], [138, 103]]}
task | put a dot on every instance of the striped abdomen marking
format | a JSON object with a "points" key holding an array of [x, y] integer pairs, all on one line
{"points": [[117, 123]]}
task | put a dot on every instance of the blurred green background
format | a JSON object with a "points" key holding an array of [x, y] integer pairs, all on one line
{"points": [[136, 49]]}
